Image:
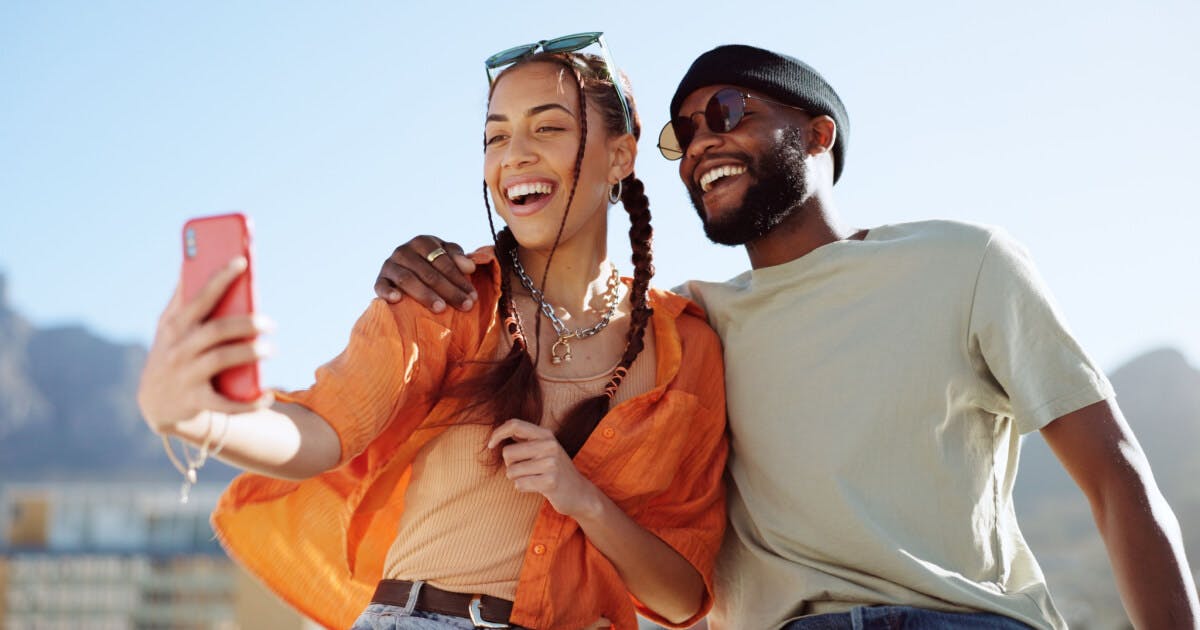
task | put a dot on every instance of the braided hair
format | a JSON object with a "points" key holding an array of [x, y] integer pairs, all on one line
{"points": [[510, 388]]}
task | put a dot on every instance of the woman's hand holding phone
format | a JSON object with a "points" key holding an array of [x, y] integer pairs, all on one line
{"points": [[189, 350]]}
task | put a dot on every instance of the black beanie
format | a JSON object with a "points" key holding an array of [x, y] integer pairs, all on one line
{"points": [[783, 78]]}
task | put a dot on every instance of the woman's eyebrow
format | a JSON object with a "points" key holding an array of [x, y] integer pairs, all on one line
{"points": [[536, 109]]}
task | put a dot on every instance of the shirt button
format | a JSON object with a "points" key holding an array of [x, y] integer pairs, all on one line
{"points": [[608, 432], [539, 549]]}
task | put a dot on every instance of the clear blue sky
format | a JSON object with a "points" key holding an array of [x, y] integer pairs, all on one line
{"points": [[345, 128]]}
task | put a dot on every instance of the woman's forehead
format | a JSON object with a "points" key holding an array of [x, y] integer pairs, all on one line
{"points": [[533, 84]]}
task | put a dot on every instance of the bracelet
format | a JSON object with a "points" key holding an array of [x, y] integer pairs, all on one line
{"points": [[224, 434], [194, 465], [171, 456]]}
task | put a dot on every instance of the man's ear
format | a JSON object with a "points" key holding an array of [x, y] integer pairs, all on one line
{"points": [[821, 134], [622, 153]]}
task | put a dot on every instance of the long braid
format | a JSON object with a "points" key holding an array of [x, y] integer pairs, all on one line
{"points": [[583, 131], [510, 387], [504, 243], [641, 236], [513, 389], [582, 420]]}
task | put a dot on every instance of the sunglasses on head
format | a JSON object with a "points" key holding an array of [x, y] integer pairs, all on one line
{"points": [[723, 112], [564, 44]]}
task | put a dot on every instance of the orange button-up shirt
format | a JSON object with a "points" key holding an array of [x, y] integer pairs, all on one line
{"points": [[321, 543]]}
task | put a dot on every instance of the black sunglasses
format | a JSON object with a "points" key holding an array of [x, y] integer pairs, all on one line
{"points": [[723, 112]]}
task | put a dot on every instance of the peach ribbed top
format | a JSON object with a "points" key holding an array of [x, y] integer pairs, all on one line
{"points": [[465, 527]]}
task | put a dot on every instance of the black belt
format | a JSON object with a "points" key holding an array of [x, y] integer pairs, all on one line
{"points": [[484, 611]]}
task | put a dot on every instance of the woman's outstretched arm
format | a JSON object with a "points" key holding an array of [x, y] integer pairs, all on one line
{"points": [[285, 440], [177, 398]]}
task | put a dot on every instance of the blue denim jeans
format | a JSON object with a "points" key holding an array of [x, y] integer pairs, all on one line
{"points": [[904, 618], [386, 617]]}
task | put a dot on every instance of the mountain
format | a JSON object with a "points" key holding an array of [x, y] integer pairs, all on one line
{"points": [[68, 408], [20, 400]]}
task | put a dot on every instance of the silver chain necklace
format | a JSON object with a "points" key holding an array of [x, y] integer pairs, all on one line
{"points": [[612, 298]]}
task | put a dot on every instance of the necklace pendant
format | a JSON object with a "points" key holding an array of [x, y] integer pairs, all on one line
{"points": [[563, 346]]}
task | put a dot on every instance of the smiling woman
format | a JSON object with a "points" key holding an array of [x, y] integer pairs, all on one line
{"points": [[596, 443]]}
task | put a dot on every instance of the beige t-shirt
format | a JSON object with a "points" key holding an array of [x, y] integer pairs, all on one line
{"points": [[877, 391]]}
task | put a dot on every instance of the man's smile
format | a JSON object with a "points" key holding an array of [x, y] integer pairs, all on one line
{"points": [[710, 177]]}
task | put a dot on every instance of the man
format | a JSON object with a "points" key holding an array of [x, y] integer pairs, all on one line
{"points": [[878, 384]]}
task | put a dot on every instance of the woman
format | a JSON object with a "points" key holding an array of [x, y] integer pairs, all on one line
{"points": [[483, 468]]}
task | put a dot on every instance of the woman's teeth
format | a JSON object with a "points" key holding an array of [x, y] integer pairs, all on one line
{"points": [[518, 193], [707, 179]]}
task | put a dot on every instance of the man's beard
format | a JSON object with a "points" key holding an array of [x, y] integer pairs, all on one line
{"points": [[781, 185]]}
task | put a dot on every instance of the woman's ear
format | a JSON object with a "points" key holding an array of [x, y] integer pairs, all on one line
{"points": [[622, 153]]}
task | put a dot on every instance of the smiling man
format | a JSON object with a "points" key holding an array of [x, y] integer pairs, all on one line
{"points": [[878, 384]]}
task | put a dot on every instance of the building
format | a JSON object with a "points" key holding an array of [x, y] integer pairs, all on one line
{"points": [[123, 556]]}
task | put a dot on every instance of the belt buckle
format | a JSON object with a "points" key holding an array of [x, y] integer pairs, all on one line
{"points": [[477, 618]]}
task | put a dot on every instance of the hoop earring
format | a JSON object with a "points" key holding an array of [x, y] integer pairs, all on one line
{"points": [[619, 188]]}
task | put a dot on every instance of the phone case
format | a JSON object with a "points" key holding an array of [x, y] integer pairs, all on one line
{"points": [[209, 243]]}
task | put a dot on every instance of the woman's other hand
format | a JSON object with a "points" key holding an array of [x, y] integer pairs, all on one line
{"points": [[536, 462], [187, 352]]}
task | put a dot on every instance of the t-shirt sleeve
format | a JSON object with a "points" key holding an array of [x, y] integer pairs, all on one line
{"points": [[685, 290], [395, 356], [1017, 333]]}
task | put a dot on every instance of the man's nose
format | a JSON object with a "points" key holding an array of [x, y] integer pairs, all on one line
{"points": [[702, 136]]}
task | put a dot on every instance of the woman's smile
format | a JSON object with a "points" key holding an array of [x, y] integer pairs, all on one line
{"points": [[526, 195]]}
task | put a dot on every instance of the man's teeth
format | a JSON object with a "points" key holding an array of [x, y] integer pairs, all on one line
{"points": [[707, 179], [521, 190]]}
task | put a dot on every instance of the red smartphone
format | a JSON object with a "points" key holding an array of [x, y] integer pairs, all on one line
{"points": [[209, 243]]}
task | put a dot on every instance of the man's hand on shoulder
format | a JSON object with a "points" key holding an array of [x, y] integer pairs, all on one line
{"points": [[431, 271]]}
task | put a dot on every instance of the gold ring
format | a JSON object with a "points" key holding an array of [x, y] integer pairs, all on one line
{"points": [[433, 255]]}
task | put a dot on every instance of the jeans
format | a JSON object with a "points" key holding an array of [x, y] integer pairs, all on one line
{"points": [[386, 617], [904, 618]]}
